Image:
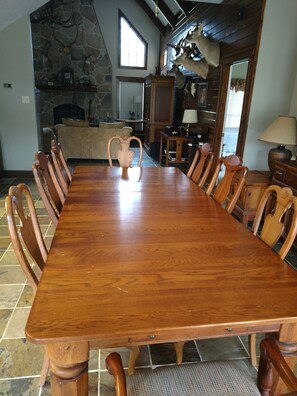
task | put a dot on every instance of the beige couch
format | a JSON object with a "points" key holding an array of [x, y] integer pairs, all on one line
{"points": [[89, 142]]}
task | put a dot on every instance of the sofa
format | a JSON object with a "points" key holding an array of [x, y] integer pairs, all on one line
{"points": [[79, 140]]}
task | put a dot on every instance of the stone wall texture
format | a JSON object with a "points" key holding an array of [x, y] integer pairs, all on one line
{"points": [[66, 35]]}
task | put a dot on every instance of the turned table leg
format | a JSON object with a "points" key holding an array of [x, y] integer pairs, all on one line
{"points": [[69, 368], [287, 333]]}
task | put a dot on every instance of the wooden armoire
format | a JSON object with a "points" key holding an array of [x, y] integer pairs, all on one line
{"points": [[158, 110]]}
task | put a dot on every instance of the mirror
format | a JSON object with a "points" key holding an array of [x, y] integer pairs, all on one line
{"points": [[234, 106]]}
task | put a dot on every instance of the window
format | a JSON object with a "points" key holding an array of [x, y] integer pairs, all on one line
{"points": [[132, 47]]}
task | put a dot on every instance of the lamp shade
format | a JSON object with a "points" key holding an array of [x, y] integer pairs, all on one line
{"points": [[282, 132], [190, 116]]}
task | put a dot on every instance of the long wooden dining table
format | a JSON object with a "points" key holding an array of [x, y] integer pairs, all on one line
{"points": [[143, 256]]}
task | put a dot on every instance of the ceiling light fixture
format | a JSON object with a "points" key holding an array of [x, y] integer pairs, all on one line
{"points": [[156, 9]]}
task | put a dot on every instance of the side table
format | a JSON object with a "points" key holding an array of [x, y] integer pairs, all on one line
{"points": [[134, 124], [175, 141], [285, 174], [255, 184]]}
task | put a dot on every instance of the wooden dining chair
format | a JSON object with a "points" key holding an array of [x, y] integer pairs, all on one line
{"points": [[212, 378], [201, 165], [62, 171], [24, 230], [48, 186], [125, 155], [224, 193], [276, 215]]}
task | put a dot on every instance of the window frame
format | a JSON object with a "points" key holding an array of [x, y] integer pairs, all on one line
{"points": [[122, 15]]}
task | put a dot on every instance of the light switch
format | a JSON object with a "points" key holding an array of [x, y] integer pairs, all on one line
{"points": [[25, 99]]}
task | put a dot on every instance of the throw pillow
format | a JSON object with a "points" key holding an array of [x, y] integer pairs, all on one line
{"points": [[78, 123], [120, 124]]}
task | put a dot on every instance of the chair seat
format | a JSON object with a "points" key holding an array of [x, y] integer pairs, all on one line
{"points": [[218, 378]]}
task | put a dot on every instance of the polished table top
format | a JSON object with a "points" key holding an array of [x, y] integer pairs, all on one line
{"points": [[143, 255]]}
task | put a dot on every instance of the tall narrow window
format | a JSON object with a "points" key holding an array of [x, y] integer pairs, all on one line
{"points": [[132, 47]]}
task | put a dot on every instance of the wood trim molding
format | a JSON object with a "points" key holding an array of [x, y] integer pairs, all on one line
{"points": [[140, 37], [152, 16], [130, 79]]}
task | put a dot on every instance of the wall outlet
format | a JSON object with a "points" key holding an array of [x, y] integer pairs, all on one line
{"points": [[25, 99]]}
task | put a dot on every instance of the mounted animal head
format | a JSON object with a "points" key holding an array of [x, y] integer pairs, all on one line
{"points": [[209, 49], [180, 59], [199, 67], [66, 46], [179, 77], [193, 35]]}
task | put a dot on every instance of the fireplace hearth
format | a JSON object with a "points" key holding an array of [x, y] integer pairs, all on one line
{"points": [[68, 110]]}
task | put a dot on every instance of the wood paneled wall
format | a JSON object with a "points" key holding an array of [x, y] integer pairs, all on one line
{"points": [[236, 24]]}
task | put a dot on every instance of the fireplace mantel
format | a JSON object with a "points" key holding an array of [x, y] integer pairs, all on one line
{"points": [[79, 88]]}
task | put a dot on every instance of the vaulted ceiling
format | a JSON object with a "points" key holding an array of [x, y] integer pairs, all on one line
{"points": [[166, 13], [163, 13]]}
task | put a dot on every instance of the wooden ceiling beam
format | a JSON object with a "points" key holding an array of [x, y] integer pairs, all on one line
{"points": [[165, 10], [152, 16], [184, 7]]}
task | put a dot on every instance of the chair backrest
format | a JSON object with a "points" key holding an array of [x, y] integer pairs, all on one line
{"points": [[48, 186], [224, 192], [274, 204], [201, 165], [125, 156], [25, 231], [60, 165]]}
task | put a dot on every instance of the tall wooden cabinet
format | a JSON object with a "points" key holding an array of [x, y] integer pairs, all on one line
{"points": [[158, 110]]}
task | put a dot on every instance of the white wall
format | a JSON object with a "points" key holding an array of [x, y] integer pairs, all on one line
{"points": [[107, 14], [12, 10], [275, 87], [293, 106], [18, 127]]}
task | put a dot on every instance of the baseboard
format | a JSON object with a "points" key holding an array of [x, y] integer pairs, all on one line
{"points": [[17, 173]]}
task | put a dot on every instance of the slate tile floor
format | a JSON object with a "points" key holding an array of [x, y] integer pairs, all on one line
{"points": [[20, 361]]}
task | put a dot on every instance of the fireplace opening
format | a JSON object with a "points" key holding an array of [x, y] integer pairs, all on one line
{"points": [[68, 111]]}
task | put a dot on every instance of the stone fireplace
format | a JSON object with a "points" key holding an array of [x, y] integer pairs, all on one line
{"points": [[68, 111], [71, 63]]}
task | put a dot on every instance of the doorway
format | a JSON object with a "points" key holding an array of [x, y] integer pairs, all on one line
{"points": [[234, 106], [130, 97], [130, 100]]}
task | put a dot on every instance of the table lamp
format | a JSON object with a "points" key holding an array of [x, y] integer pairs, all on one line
{"points": [[190, 117], [281, 132]]}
